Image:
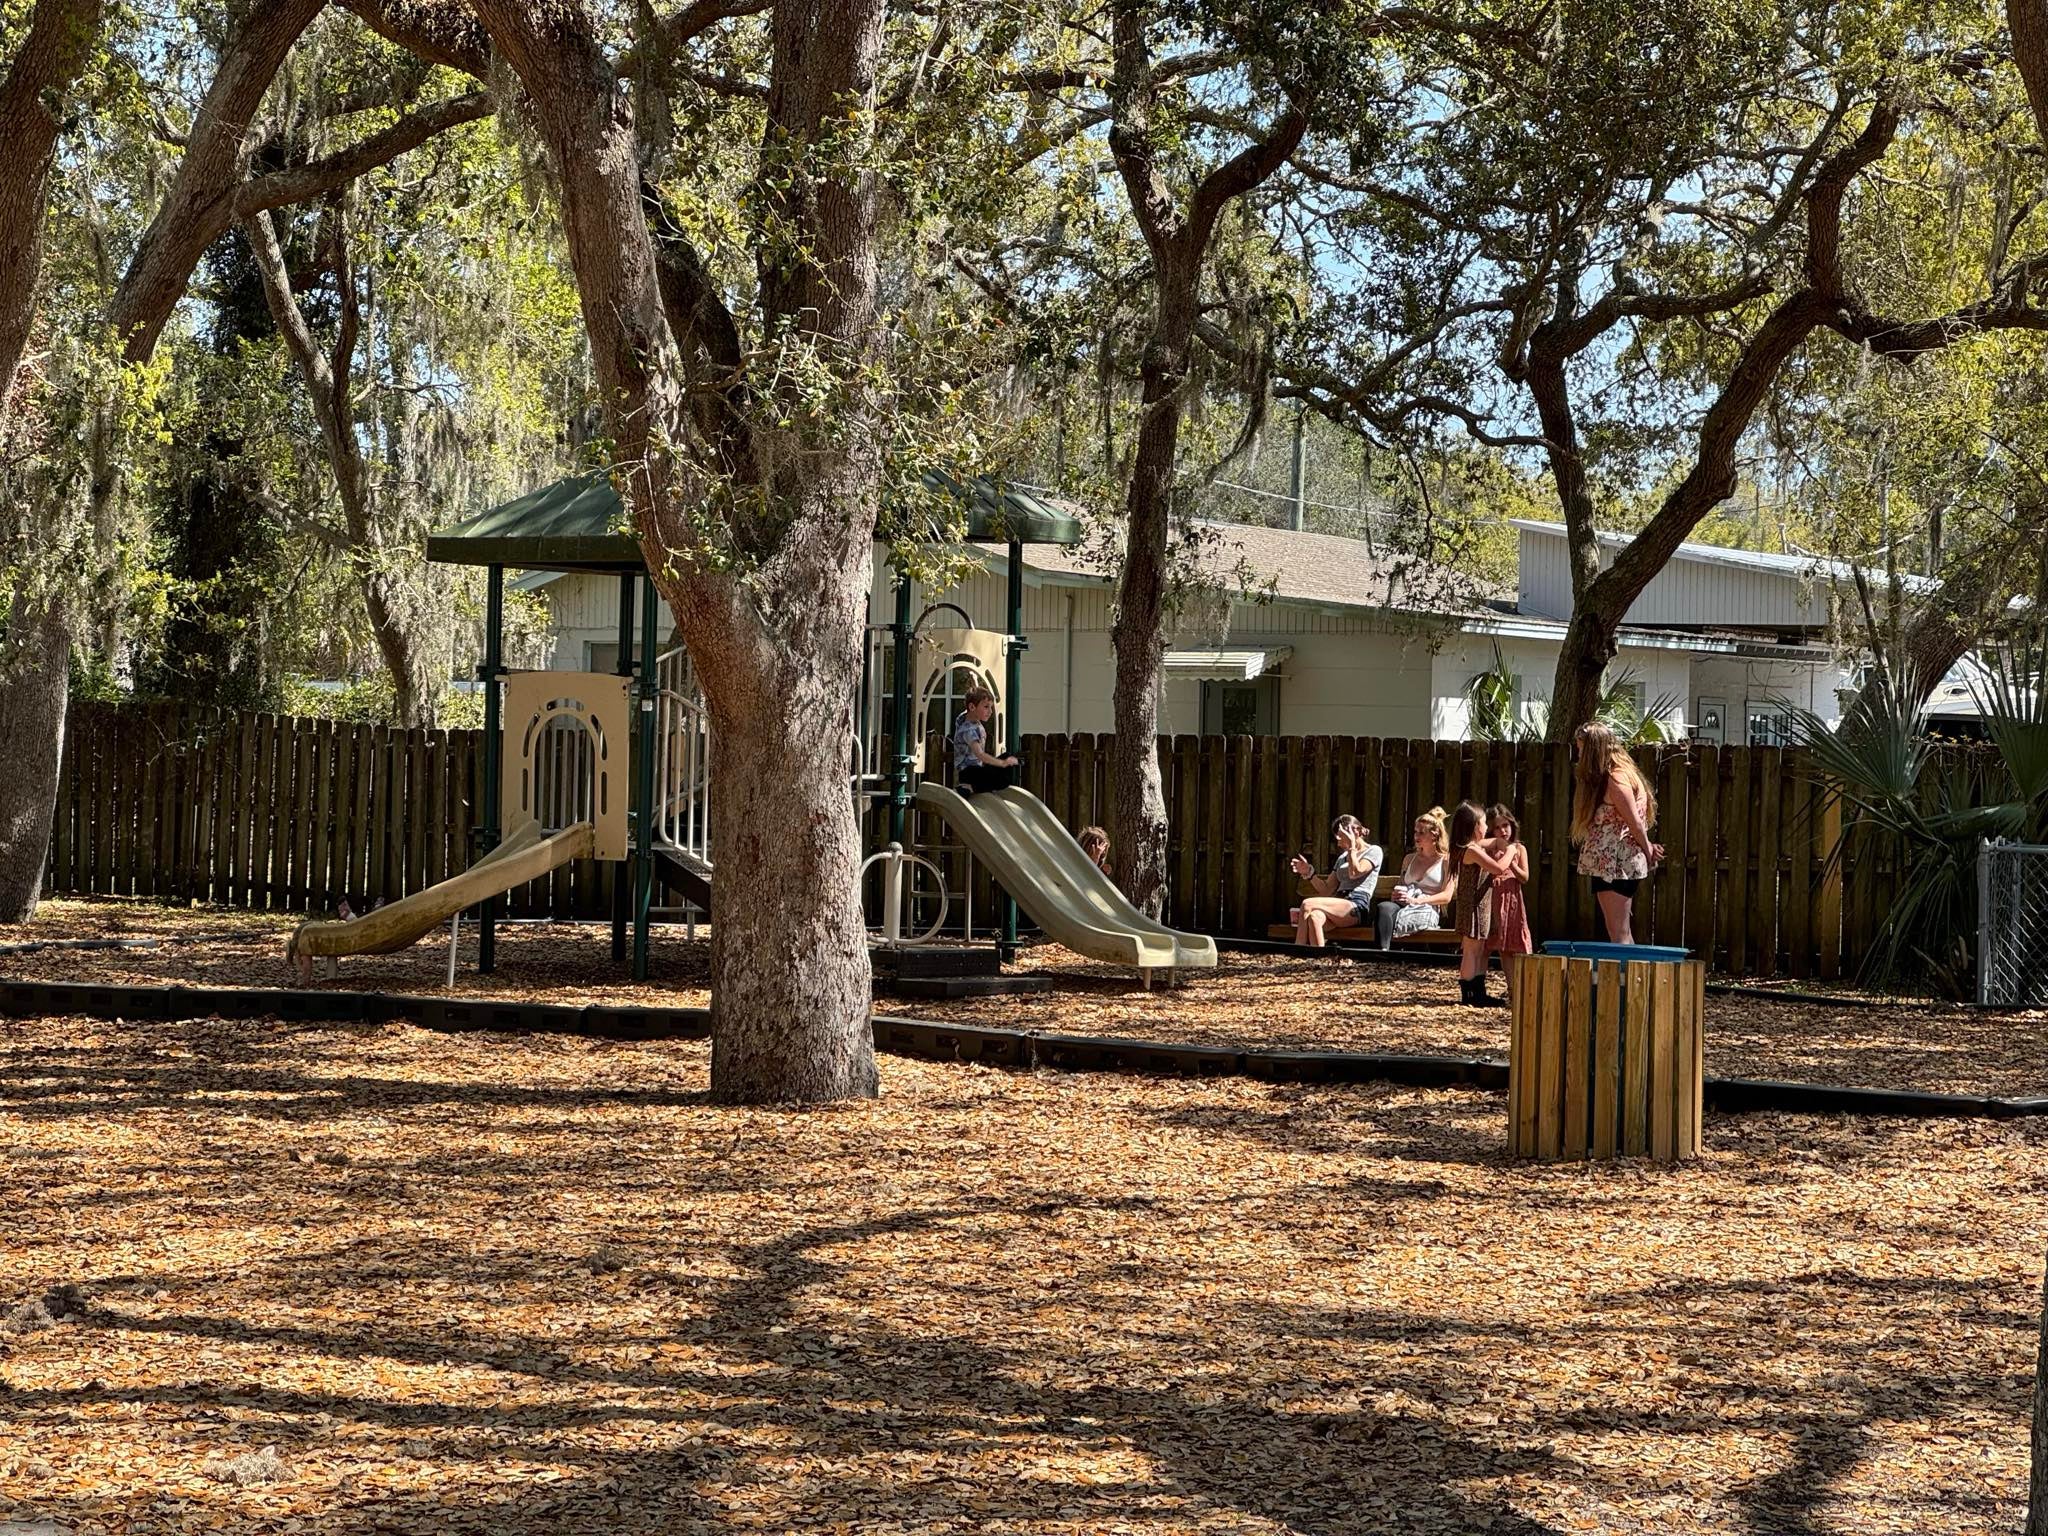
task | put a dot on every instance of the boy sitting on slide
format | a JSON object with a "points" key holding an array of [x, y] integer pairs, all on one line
{"points": [[973, 766]]}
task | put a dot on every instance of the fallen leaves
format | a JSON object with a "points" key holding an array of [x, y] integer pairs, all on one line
{"points": [[476, 1283]]}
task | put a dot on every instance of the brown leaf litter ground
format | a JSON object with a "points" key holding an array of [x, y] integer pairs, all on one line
{"points": [[1251, 1000], [258, 1277]]}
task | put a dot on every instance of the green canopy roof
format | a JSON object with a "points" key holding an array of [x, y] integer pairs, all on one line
{"points": [[579, 524], [574, 524]]}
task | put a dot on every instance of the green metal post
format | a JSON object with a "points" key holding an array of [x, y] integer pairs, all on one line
{"points": [[622, 879], [899, 698], [643, 784], [494, 752], [1013, 694]]}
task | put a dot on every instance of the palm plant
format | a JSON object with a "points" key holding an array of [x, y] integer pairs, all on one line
{"points": [[1939, 804], [1493, 712]]}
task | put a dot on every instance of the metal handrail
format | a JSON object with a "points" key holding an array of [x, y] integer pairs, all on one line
{"points": [[682, 759]]}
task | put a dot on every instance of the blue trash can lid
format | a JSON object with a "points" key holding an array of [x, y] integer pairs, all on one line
{"points": [[1587, 949]]}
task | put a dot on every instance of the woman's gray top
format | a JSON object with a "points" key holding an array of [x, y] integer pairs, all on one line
{"points": [[1345, 880]]}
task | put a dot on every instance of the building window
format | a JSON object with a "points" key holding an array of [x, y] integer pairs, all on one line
{"points": [[604, 656], [1241, 709], [1770, 725], [1712, 724]]}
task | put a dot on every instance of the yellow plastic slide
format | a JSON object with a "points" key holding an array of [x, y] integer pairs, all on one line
{"points": [[525, 854], [1038, 862]]}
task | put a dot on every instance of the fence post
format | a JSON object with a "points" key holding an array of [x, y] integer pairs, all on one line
{"points": [[1984, 938]]}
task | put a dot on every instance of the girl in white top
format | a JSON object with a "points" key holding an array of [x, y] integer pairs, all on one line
{"points": [[1428, 883]]}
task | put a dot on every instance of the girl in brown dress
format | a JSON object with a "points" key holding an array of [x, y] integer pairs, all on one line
{"points": [[1510, 934], [1474, 921]]}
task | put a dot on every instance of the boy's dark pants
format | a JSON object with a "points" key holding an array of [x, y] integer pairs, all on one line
{"points": [[977, 777]]}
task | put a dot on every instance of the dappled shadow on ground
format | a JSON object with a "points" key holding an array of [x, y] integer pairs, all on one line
{"points": [[490, 1284], [541, 962]]}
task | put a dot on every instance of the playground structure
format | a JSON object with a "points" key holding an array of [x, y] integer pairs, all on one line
{"points": [[619, 766]]}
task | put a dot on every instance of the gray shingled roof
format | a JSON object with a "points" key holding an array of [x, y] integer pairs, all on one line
{"points": [[1316, 568]]}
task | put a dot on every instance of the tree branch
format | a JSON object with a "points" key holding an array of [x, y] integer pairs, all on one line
{"points": [[1130, 133], [1831, 186], [60, 38], [318, 177], [199, 206], [1245, 170], [432, 29]]}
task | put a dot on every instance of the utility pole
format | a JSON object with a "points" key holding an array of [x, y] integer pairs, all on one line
{"points": [[1297, 480]]}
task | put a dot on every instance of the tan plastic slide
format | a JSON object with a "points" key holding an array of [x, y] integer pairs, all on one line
{"points": [[525, 854], [1038, 862]]}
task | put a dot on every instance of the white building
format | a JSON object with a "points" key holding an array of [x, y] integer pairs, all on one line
{"points": [[1351, 642]]}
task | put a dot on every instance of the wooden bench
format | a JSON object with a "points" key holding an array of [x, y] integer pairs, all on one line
{"points": [[1351, 933]]}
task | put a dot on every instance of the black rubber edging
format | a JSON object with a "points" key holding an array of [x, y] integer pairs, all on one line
{"points": [[31, 946], [1827, 1000], [1372, 954], [934, 1041], [597, 1020]]}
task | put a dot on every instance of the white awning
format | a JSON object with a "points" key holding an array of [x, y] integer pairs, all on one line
{"points": [[1238, 666]]}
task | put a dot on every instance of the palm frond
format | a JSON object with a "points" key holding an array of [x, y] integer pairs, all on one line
{"points": [[2013, 701]]}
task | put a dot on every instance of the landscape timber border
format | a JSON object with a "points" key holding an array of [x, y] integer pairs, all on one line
{"points": [[931, 1040]]}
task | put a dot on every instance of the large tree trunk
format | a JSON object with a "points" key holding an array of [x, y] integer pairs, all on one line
{"points": [[1178, 238], [35, 652], [1139, 635], [771, 599], [59, 41], [35, 689], [789, 958]]}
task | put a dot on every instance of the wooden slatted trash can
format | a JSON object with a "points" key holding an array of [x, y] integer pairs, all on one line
{"points": [[1605, 1052]]}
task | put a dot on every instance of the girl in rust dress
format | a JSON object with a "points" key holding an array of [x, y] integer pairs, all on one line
{"points": [[1510, 935]]}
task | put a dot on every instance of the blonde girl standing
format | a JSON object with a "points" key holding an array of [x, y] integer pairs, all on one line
{"points": [[1612, 813]]}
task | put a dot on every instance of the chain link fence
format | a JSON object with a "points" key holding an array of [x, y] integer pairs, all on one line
{"points": [[2012, 945]]}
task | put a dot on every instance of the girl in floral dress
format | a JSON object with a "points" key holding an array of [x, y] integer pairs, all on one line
{"points": [[1612, 813]]}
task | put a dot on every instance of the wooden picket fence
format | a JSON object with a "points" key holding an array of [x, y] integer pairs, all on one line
{"points": [[276, 812], [1745, 886], [284, 813]]}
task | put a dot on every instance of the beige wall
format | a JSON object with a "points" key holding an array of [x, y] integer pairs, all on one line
{"points": [[1665, 675], [1349, 674], [1742, 683]]}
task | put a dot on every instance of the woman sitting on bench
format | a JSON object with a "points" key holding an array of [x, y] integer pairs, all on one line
{"points": [[1343, 897], [1428, 884]]}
